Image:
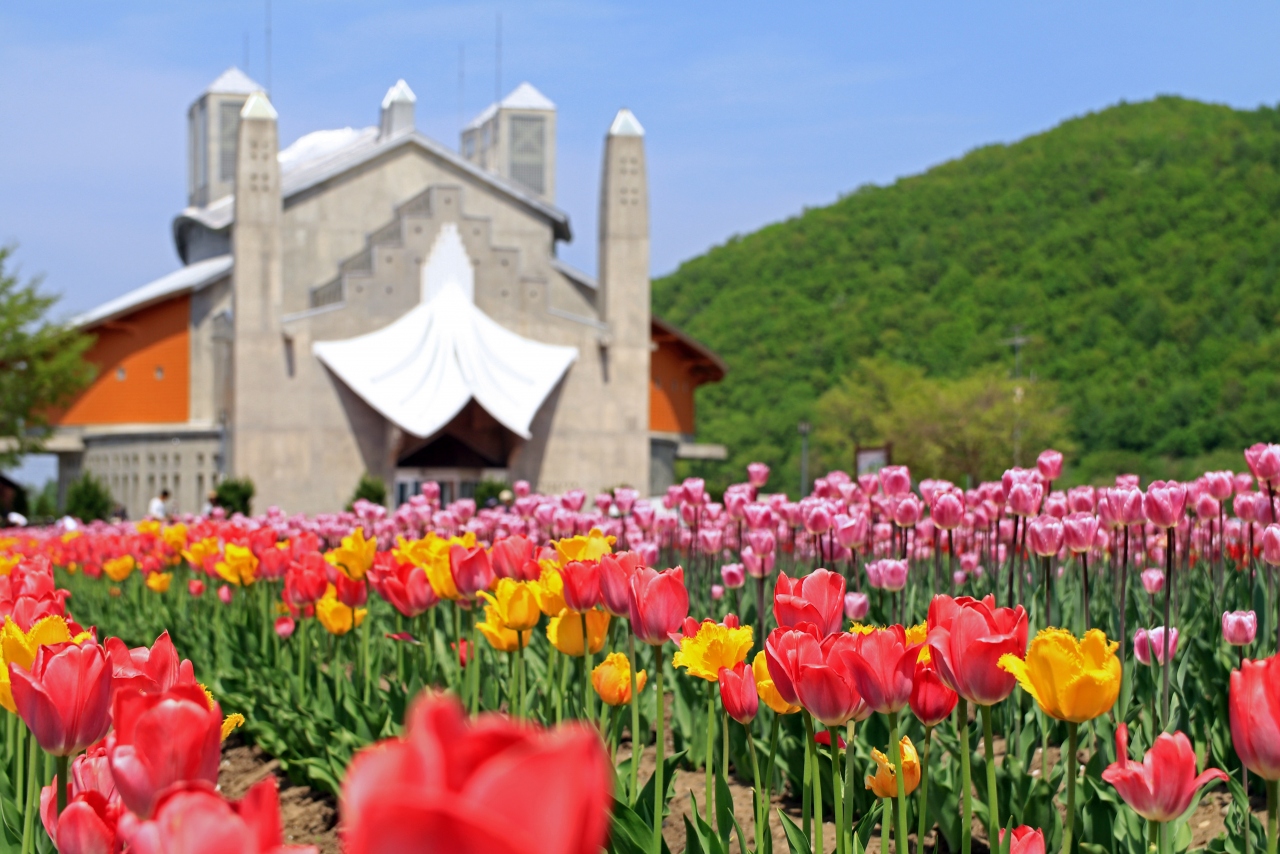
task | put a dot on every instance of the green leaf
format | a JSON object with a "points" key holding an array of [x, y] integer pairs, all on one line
{"points": [[796, 840]]}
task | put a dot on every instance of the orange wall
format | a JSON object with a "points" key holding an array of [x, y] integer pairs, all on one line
{"points": [[670, 391], [128, 351]]}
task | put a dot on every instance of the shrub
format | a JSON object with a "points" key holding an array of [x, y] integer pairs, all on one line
{"points": [[88, 498], [235, 495], [370, 488]]}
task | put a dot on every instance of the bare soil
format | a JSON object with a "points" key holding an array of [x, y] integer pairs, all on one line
{"points": [[308, 817]]}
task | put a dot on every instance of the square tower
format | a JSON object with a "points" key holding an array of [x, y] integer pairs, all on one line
{"points": [[213, 128], [515, 138]]}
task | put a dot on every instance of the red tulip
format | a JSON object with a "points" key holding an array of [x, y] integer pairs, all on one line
{"points": [[883, 665], [816, 673], [738, 692], [162, 740], [1049, 464], [786, 650], [931, 700], [1162, 786], [967, 638], [1026, 840], [195, 587], [353, 594], [154, 670], [91, 826], [1164, 503], [1045, 535], [306, 580], [402, 584], [65, 699], [615, 581], [1254, 702], [472, 571], [488, 785], [197, 821], [508, 556], [581, 585], [817, 598], [659, 604], [285, 626]]}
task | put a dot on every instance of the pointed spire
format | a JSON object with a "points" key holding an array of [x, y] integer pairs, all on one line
{"points": [[397, 118], [258, 107], [399, 93], [625, 123]]}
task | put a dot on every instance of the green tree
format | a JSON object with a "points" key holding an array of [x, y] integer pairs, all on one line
{"points": [[88, 499], [235, 495], [45, 505], [974, 426], [41, 364], [370, 488]]}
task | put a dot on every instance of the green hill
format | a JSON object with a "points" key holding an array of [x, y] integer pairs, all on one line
{"points": [[1138, 248]]}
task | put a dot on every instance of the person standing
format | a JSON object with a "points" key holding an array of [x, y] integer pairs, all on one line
{"points": [[159, 506]]}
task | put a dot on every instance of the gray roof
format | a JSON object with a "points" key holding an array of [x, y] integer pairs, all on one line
{"points": [[190, 278], [233, 81], [300, 174], [523, 97]]}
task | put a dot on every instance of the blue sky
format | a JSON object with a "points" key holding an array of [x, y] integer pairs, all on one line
{"points": [[753, 110]]}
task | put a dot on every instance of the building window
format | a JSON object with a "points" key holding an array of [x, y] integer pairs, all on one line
{"points": [[120, 374], [528, 151], [198, 152], [159, 372], [228, 131]]}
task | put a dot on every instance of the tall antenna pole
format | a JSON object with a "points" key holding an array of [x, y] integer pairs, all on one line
{"points": [[497, 63], [268, 47]]}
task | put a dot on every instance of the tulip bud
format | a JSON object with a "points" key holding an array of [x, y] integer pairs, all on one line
{"points": [[285, 626], [958, 577], [1045, 535], [1239, 628], [895, 480], [1149, 645], [1263, 461], [1049, 464], [1079, 530], [1164, 503], [1152, 581], [856, 605], [757, 474], [717, 592], [907, 511], [225, 593], [947, 511], [1271, 544], [733, 575], [195, 587], [1024, 498]]}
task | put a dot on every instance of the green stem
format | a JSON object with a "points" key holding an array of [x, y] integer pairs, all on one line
{"points": [[1163, 836], [32, 799], [966, 794], [659, 790], [806, 788], [886, 819], [836, 799], [60, 782], [849, 760], [19, 754], [896, 746], [711, 747], [993, 824], [473, 665], [564, 686], [588, 710], [773, 754], [762, 809], [724, 745], [364, 654], [636, 740], [1271, 817], [1072, 745], [923, 824], [815, 779], [1244, 778]]}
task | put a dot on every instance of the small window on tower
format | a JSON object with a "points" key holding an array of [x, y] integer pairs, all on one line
{"points": [[228, 131], [528, 151]]}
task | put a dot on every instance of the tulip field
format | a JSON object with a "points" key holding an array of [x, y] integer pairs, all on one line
{"points": [[885, 662]]}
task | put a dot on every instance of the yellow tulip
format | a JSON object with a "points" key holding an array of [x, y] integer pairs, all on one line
{"points": [[20, 648], [565, 631], [119, 568], [196, 552], [431, 553], [239, 565], [766, 689], [612, 679], [231, 723], [1071, 680], [337, 617], [713, 647], [516, 604], [549, 589], [500, 636], [354, 557], [175, 536], [885, 782], [589, 547], [149, 526], [8, 563], [159, 581]]}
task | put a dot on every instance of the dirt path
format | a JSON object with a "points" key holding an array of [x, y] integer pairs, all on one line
{"points": [[308, 817]]}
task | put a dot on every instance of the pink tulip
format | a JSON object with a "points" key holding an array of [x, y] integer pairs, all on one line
{"points": [[1206, 507], [851, 530], [1083, 499], [717, 592], [1049, 464], [1057, 505], [225, 593], [1271, 544], [1045, 535], [1263, 461], [1219, 484], [856, 605], [1126, 502], [1079, 530], [1148, 645], [1152, 580], [733, 575], [757, 474], [817, 520], [694, 489], [906, 512], [1239, 628], [895, 480], [817, 598], [887, 574], [1242, 506], [284, 627], [624, 497], [947, 511], [1024, 498], [959, 577], [1164, 503]]}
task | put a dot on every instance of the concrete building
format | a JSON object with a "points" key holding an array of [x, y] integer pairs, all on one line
{"points": [[368, 300]]}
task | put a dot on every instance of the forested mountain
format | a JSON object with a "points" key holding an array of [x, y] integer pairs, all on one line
{"points": [[1136, 248]]}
